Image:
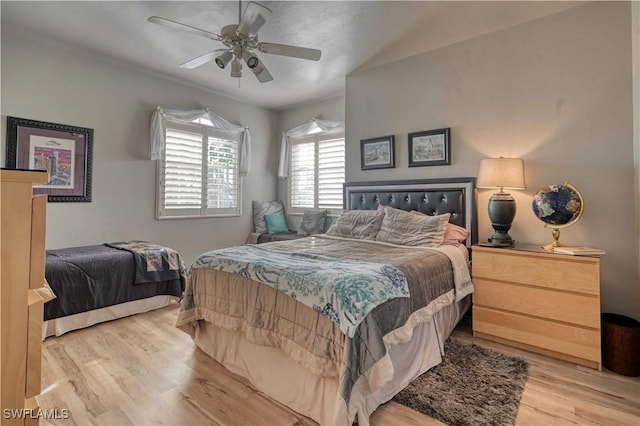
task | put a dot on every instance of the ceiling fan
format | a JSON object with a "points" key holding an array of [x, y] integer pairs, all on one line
{"points": [[241, 40]]}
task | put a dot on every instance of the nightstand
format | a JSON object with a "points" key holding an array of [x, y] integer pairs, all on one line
{"points": [[538, 301]]}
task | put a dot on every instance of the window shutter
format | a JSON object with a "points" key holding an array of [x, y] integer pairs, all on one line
{"points": [[303, 159], [316, 173], [222, 173], [182, 180], [199, 173], [330, 173]]}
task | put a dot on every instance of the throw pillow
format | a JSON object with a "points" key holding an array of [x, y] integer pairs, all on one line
{"points": [[276, 223], [261, 208], [312, 222], [455, 233]]}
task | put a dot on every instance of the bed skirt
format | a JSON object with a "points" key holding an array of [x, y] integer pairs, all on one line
{"points": [[273, 373], [61, 325]]}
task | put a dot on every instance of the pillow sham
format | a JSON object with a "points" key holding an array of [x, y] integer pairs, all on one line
{"points": [[276, 223], [312, 222], [359, 224], [452, 233], [409, 229], [261, 208], [455, 233]]}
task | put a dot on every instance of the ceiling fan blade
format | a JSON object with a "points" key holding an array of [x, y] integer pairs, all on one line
{"points": [[201, 60], [183, 27], [255, 15], [292, 51]]}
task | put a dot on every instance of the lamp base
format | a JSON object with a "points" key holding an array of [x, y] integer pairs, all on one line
{"points": [[502, 210]]}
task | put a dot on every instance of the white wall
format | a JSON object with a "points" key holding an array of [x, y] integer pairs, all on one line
{"points": [[327, 109], [557, 92], [46, 82]]}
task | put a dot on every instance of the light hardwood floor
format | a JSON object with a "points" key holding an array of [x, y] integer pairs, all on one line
{"points": [[141, 370]]}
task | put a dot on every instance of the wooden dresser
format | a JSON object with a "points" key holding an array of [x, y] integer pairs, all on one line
{"points": [[539, 301], [23, 263]]}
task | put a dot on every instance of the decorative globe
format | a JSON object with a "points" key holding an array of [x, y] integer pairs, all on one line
{"points": [[558, 206]]}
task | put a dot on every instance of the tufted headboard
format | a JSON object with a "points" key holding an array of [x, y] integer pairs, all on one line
{"points": [[429, 196]]}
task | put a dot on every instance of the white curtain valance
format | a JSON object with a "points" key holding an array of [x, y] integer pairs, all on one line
{"points": [[158, 127], [308, 128]]}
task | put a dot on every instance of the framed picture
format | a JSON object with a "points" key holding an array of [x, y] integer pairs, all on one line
{"points": [[378, 153], [65, 152], [429, 148]]}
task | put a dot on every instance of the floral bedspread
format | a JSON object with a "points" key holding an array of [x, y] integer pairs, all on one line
{"points": [[343, 290]]}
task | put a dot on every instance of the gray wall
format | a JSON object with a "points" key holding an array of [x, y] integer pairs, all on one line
{"points": [[557, 92], [46, 82]]}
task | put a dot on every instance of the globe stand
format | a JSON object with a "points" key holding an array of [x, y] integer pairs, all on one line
{"points": [[556, 235]]}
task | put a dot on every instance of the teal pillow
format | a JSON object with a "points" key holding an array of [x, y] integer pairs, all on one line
{"points": [[276, 223]]}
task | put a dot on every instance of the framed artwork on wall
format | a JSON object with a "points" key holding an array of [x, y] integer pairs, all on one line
{"points": [[65, 152], [430, 148], [378, 153]]}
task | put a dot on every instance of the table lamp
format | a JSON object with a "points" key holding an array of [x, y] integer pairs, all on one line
{"points": [[501, 173]]}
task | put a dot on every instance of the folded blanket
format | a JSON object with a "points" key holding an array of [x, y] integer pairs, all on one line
{"points": [[152, 261]]}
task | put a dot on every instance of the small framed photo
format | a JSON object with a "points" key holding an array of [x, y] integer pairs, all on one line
{"points": [[378, 153], [429, 148], [65, 152]]}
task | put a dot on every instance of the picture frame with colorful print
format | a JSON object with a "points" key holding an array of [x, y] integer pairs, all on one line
{"points": [[65, 152]]}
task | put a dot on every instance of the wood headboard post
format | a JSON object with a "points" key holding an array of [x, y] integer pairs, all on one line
{"points": [[430, 196]]}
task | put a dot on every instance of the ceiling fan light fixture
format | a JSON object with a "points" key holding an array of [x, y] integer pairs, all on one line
{"points": [[223, 59], [236, 68], [256, 66], [253, 62]]}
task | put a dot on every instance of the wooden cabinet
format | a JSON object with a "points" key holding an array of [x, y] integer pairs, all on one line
{"points": [[539, 301], [21, 307]]}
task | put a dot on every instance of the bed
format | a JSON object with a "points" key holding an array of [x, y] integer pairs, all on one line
{"points": [[333, 326], [100, 283]]}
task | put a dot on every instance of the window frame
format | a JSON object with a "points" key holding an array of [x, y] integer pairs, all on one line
{"points": [[206, 131], [316, 139]]}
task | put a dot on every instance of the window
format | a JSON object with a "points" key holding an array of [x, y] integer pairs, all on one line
{"points": [[316, 173], [199, 173]]}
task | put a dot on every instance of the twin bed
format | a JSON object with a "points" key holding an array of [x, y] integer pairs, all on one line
{"points": [[99, 283], [335, 325]]}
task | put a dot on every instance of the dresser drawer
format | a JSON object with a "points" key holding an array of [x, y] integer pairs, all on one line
{"points": [[579, 309], [569, 273], [562, 338]]}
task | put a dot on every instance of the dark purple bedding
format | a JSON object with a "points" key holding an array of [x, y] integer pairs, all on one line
{"points": [[92, 277]]}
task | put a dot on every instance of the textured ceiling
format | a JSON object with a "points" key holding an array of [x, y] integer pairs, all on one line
{"points": [[353, 35]]}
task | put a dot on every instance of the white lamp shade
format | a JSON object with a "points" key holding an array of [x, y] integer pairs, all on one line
{"points": [[501, 173]]}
